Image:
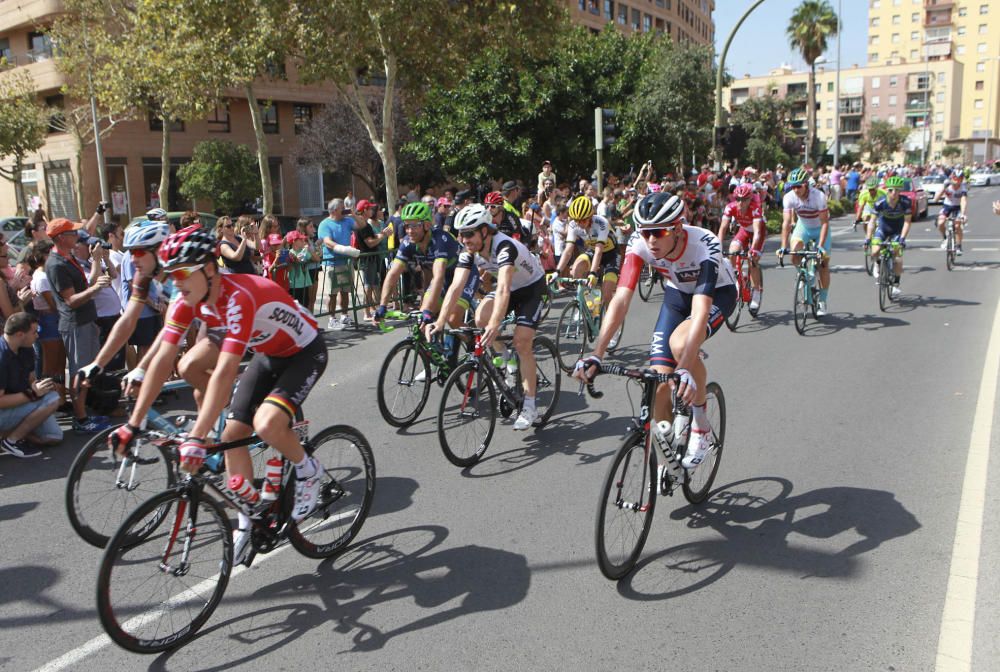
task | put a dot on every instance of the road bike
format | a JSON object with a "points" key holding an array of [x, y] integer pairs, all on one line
{"points": [[487, 385], [866, 249], [950, 244], [886, 273], [102, 487], [806, 285], [636, 477], [409, 369], [580, 323], [167, 567], [648, 280], [744, 292]]}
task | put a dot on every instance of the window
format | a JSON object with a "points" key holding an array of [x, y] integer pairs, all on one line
{"points": [[960, 49], [939, 118], [5, 49], [302, 115], [978, 103], [979, 85], [894, 54], [893, 81], [829, 105], [876, 4], [873, 57], [829, 123], [595, 7], [941, 78], [897, 3], [938, 136], [961, 31], [940, 97], [980, 66], [962, 11], [892, 100], [875, 22], [636, 17], [583, 5], [609, 10], [873, 40], [760, 91], [977, 122], [269, 116], [875, 101], [981, 48], [896, 19], [57, 120], [876, 82], [647, 23], [984, 9], [895, 38], [983, 29], [218, 120], [39, 47], [156, 124], [914, 35], [914, 17], [914, 55], [622, 14], [891, 119], [829, 87]]}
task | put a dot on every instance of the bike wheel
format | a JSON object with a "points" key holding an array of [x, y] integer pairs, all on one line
{"points": [[571, 336], [549, 378], [869, 262], [402, 395], [149, 598], [467, 415], [698, 482], [801, 305], [103, 488], [733, 319], [883, 284], [346, 492], [647, 278], [625, 512], [949, 255], [547, 300]]}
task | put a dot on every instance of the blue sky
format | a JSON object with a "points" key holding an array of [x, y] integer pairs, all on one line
{"points": [[761, 45]]}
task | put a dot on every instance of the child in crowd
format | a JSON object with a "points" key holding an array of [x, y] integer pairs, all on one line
{"points": [[300, 256]]}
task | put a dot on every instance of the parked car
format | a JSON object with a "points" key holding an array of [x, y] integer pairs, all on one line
{"points": [[13, 232], [934, 186], [983, 177], [208, 220], [913, 188]]}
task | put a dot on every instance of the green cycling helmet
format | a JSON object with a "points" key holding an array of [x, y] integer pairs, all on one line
{"points": [[871, 183], [894, 183], [418, 211], [797, 177]]}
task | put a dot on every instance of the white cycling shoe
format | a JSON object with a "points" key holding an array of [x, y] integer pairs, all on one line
{"points": [[241, 546], [821, 309], [754, 301], [895, 292], [525, 419], [698, 446], [307, 493]]}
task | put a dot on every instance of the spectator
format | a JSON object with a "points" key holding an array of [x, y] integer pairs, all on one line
{"points": [[546, 174], [853, 181], [268, 227], [276, 261], [367, 240], [27, 406], [306, 227], [108, 303], [112, 234], [189, 218], [442, 212], [837, 183], [34, 230], [349, 200], [335, 236], [299, 257], [52, 362], [74, 295], [236, 249], [511, 197], [151, 317], [12, 300]]}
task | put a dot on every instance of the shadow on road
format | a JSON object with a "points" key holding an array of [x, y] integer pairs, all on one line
{"points": [[832, 323], [919, 300], [760, 525], [12, 511]]}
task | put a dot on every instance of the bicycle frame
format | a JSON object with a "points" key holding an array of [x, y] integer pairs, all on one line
{"points": [[481, 356]]}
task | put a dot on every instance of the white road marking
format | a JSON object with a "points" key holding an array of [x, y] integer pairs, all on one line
{"points": [[958, 619], [986, 249]]}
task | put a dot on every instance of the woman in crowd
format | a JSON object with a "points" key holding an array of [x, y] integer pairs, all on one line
{"points": [[236, 249]]}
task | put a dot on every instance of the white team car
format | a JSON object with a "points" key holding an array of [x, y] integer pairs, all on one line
{"points": [[983, 177]]}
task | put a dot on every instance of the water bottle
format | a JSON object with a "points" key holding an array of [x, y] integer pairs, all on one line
{"points": [[662, 434], [511, 357], [596, 309], [244, 489], [272, 479]]}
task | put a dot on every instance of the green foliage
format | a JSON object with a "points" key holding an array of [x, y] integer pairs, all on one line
{"points": [[766, 120], [774, 218], [24, 122], [882, 140], [836, 208], [951, 151], [221, 171], [809, 29]]}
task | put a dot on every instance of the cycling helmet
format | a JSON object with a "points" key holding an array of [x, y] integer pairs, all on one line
{"points": [[658, 211], [797, 177], [145, 234], [581, 207], [749, 172], [744, 190], [471, 217], [957, 176], [188, 247], [157, 215], [894, 182], [419, 211], [871, 183], [493, 198]]}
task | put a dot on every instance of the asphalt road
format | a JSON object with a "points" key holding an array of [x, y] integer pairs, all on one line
{"points": [[827, 544]]}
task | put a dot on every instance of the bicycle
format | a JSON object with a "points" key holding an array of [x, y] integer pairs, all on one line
{"points": [[579, 324], [806, 285], [160, 580], [102, 487], [648, 279], [409, 368], [743, 289], [486, 385], [886, 273], [950, 245], [866, 249], [628, 496]]}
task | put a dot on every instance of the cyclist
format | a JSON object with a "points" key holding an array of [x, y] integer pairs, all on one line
{"points": [[520, 285], [809, 205], [431, 250], [894, 212], [956, 202], [590, 245], [289, 357], [505, 221], [863, 210], [746, 212], [700, 294]]}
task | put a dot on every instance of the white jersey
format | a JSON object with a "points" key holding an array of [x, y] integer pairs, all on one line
{"points": [[698, 265], [952, 195], [597, 236], [808, 210], [505, 251]]}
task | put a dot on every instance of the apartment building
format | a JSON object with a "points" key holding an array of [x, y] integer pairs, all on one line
{"points": [[921, 96], [686, 21], [966, 32]]}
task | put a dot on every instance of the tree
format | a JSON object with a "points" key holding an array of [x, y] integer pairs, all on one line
{"points": [[767, 123], [24, 124], [79, 124], [811, 25], [882, 140], [406, 47], [220, 171], [951, 151]]}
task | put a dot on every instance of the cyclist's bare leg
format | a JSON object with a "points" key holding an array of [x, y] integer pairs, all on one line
{"points": [[824, 272], [196, 366], [523, 339], [238, 460], [897, 263], [484, 312], [959, 226], [756, 278], [662, 406], [581, 267], [678, 341], [797, 244], [940, 225], [272, 424]]}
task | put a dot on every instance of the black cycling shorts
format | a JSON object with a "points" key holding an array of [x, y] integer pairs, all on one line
{"points": [[526, 303], [282, 381]]}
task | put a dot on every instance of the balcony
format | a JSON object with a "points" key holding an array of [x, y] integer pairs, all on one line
{"points": [[938, 4], [936, 18], [26, 13], [918, 84], [851, 107], [40, 54]]}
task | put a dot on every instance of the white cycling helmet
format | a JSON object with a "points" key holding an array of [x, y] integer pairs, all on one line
{"points": [[658, 211], [145, 235], [157, 215], [473, 216]]}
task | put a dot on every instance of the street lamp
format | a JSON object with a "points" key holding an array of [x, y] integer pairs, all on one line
{"points": [[836, 103]]}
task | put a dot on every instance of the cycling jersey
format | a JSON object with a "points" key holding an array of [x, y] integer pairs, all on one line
{"points": [[254, 312], [952, 195], [699, 268], [598, 235], [559, 228], [744, 219], [891, 217], [866, 200], [505, 251], [809, 210], [442, 245]]}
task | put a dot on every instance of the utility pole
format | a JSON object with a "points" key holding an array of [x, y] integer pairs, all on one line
{"points": [[102, 172], [836, 95], [599, 145], [718, 78]]}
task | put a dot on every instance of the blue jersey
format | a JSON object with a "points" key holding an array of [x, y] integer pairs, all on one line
{"points": [[890, 217], [442, 245]]}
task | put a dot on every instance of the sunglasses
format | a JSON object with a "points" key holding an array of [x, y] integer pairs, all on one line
{"points": [[466, 234], [140, 252], [495, 207], [891, 190], [654, 233], [184, 272], [745, 198], [228, 226], [412, 224]]}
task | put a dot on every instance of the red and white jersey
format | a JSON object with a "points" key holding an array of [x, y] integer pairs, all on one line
{"points": [[698, 268], [744, 219], [254, 313], [809, 210]]}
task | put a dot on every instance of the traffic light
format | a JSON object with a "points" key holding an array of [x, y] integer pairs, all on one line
{"points": [[605, 130]]}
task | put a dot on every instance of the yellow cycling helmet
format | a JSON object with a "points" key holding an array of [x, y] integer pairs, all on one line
{"points": [[581, 207]]}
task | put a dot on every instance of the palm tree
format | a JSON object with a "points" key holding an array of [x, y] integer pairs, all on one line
{"points": [[811, 25]]}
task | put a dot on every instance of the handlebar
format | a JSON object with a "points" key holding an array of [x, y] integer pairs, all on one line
{"points": [[644, 374]]}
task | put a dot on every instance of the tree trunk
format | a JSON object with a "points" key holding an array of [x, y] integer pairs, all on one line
{"points": [[811, 114], [267, 197], [164, 190], [22, 207], [78, 173]]}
